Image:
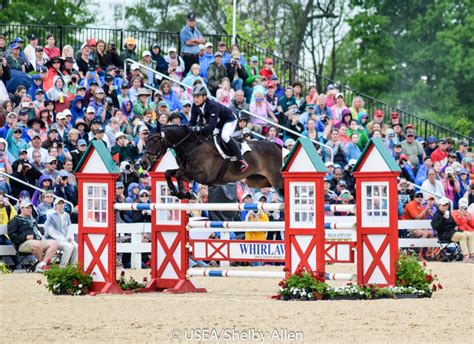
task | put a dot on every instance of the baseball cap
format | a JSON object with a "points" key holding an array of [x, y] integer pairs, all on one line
{"points": [[119, 185], [268, 61], [143, 191], [171, 50], [443, 140], [146, 53], [51, 159], [329, 163], [310, 106], [431, 139], [254, 59], [463, 143], [378, 113], [36, 76], [339, 95], [248, 194], [90, 109], [134, 66], [463, 203], [409, 126], [273, 77], [217, 53], [119, 135], [404, 157], [330, 87], [11, 114], [345, 194], [43, 69], [99, 130], [449, 170], [394, 114], [163, 103], [24, 194], [91, 42], [39, 90], [208, 45], [60, 115], [289, 142], [201, 47], [99, 90], [63, 173], [246, 131], [39, 48], [418, 193], [463, 171], [25, 203], [131, 40], [443, 201], [23, 112], [191, 16], [81, 142], [108, 78], [33, 36], [352, 162]]}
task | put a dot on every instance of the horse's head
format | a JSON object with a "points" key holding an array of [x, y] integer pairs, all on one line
{"points": [[155, 148]]}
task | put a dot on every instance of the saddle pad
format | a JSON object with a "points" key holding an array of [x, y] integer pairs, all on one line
{"points": [[244, 148]]}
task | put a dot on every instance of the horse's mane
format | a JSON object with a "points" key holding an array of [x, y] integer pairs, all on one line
{"points": [[176, 133]]}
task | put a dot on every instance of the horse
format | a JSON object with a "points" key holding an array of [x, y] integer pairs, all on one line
{"points": [[199, 160]]}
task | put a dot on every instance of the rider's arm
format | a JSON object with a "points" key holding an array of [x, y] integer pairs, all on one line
{"points": [[211, 124], [194, 116]]}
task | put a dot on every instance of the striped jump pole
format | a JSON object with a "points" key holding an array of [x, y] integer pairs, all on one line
{"points": [[259, 274], [350, 208], [200, 206], [236, 225]]}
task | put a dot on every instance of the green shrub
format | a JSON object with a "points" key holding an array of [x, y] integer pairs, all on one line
{"points": [[68, 280]]}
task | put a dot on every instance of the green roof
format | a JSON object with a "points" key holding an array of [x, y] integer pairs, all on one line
{"points": [[313, 154], [104, 154], [384, 152]]}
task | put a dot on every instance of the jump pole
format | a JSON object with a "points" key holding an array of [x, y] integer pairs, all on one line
{"points": [[260, 274], [259, 225]]}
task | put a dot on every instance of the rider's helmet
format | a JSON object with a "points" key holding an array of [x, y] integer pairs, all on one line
{"points": [[199, 90]]}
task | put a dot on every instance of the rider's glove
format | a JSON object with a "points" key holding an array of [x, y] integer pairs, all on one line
{"points": [[196, 129]]}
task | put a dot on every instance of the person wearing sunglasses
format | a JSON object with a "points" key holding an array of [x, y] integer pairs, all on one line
{"points": [[414, 210], [47, 200]]}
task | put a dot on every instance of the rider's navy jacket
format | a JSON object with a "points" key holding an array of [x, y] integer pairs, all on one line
{"points": [[215, 115]]}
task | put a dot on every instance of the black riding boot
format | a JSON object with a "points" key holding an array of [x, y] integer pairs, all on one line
{"points": [[234, 148]]}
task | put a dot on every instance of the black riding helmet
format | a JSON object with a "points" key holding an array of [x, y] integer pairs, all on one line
{"points": [[199, 90]]}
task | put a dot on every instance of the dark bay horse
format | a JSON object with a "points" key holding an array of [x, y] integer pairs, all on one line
{"points": [[199, 160]]}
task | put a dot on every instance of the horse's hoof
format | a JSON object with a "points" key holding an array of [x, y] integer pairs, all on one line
{"points": [[189, 195]]}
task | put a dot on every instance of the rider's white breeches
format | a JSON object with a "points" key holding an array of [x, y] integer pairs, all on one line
{"points": [[228, 130]]}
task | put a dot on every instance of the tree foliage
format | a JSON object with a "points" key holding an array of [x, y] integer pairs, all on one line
{"points": [[48, 12], [416, 53]]}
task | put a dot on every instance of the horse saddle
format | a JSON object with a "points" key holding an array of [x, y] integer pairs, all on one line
{"points": [[224, 150]]}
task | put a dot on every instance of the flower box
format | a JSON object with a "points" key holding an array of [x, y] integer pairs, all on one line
{"points": [[408, 296], [345, 297]]}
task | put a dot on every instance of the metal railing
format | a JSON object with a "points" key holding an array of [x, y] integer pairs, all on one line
{"points": [[34, 188], [288, 72], [269, 121]]}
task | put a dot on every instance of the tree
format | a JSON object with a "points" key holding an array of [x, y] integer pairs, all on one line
{"points": [[48, 12], [416, 53]]}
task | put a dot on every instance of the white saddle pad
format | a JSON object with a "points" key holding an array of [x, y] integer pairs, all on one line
{"points": [[244, 148]]}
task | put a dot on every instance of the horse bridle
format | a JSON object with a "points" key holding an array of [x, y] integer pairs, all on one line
{"points": [[155, 156]]}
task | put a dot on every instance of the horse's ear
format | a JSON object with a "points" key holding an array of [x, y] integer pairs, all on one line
{"points": [[154, 130]]}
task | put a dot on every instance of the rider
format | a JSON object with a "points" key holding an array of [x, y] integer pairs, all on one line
{"points": [[215, 116]]}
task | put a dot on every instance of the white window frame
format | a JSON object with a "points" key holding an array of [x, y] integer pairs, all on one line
{"points": [[297, 209], [162, 216], [85, 205], [369, 221]]}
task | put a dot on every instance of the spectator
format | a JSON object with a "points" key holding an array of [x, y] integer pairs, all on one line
{"points": [[129, 50], [161, 65], [261, 108], [222, 48], [215, 73], [351, 148], [441, 153], [294, 124], [462, 151], [125, 149], [15, 61], [225, 93], [298, 93], [27, 238], [195, 74], [142, 104], [58, 228], [268, 70], [272, 136], [447, 230], [113, 57], [236, 72], [338, 108], [463, 218], [169, 96], [451, 184], [414, 210], [378, 119], [322, 109], [413, 149], [46, 205], [357, 107], [16, 144], [190, 38], [30, 49], [407, 169], [340, 156], [147, 74], [206, 59], [422, 172], [176, 65], [405, 193]]}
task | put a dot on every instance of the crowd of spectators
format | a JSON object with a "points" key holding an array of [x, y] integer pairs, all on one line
{"points": [[60, 100]]}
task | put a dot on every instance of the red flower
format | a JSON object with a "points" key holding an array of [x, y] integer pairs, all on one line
{"points": [[403, 282], [145, 279], [433, 288], [424, 264], [75, 283], [122, 274], [285, 269], [440, 286], [39, 282], [429, 278], [281, 284]]}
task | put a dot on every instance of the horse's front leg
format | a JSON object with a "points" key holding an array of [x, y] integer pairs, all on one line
{"points": [[183, 193], [169, 174]]}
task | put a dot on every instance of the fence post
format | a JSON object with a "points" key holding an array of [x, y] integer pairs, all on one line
{"points": [[426, 129], [60, 37], [179, 45]]}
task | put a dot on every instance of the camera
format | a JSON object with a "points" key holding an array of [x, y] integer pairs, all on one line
{"points": [[109, 100], [127, 166]]}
